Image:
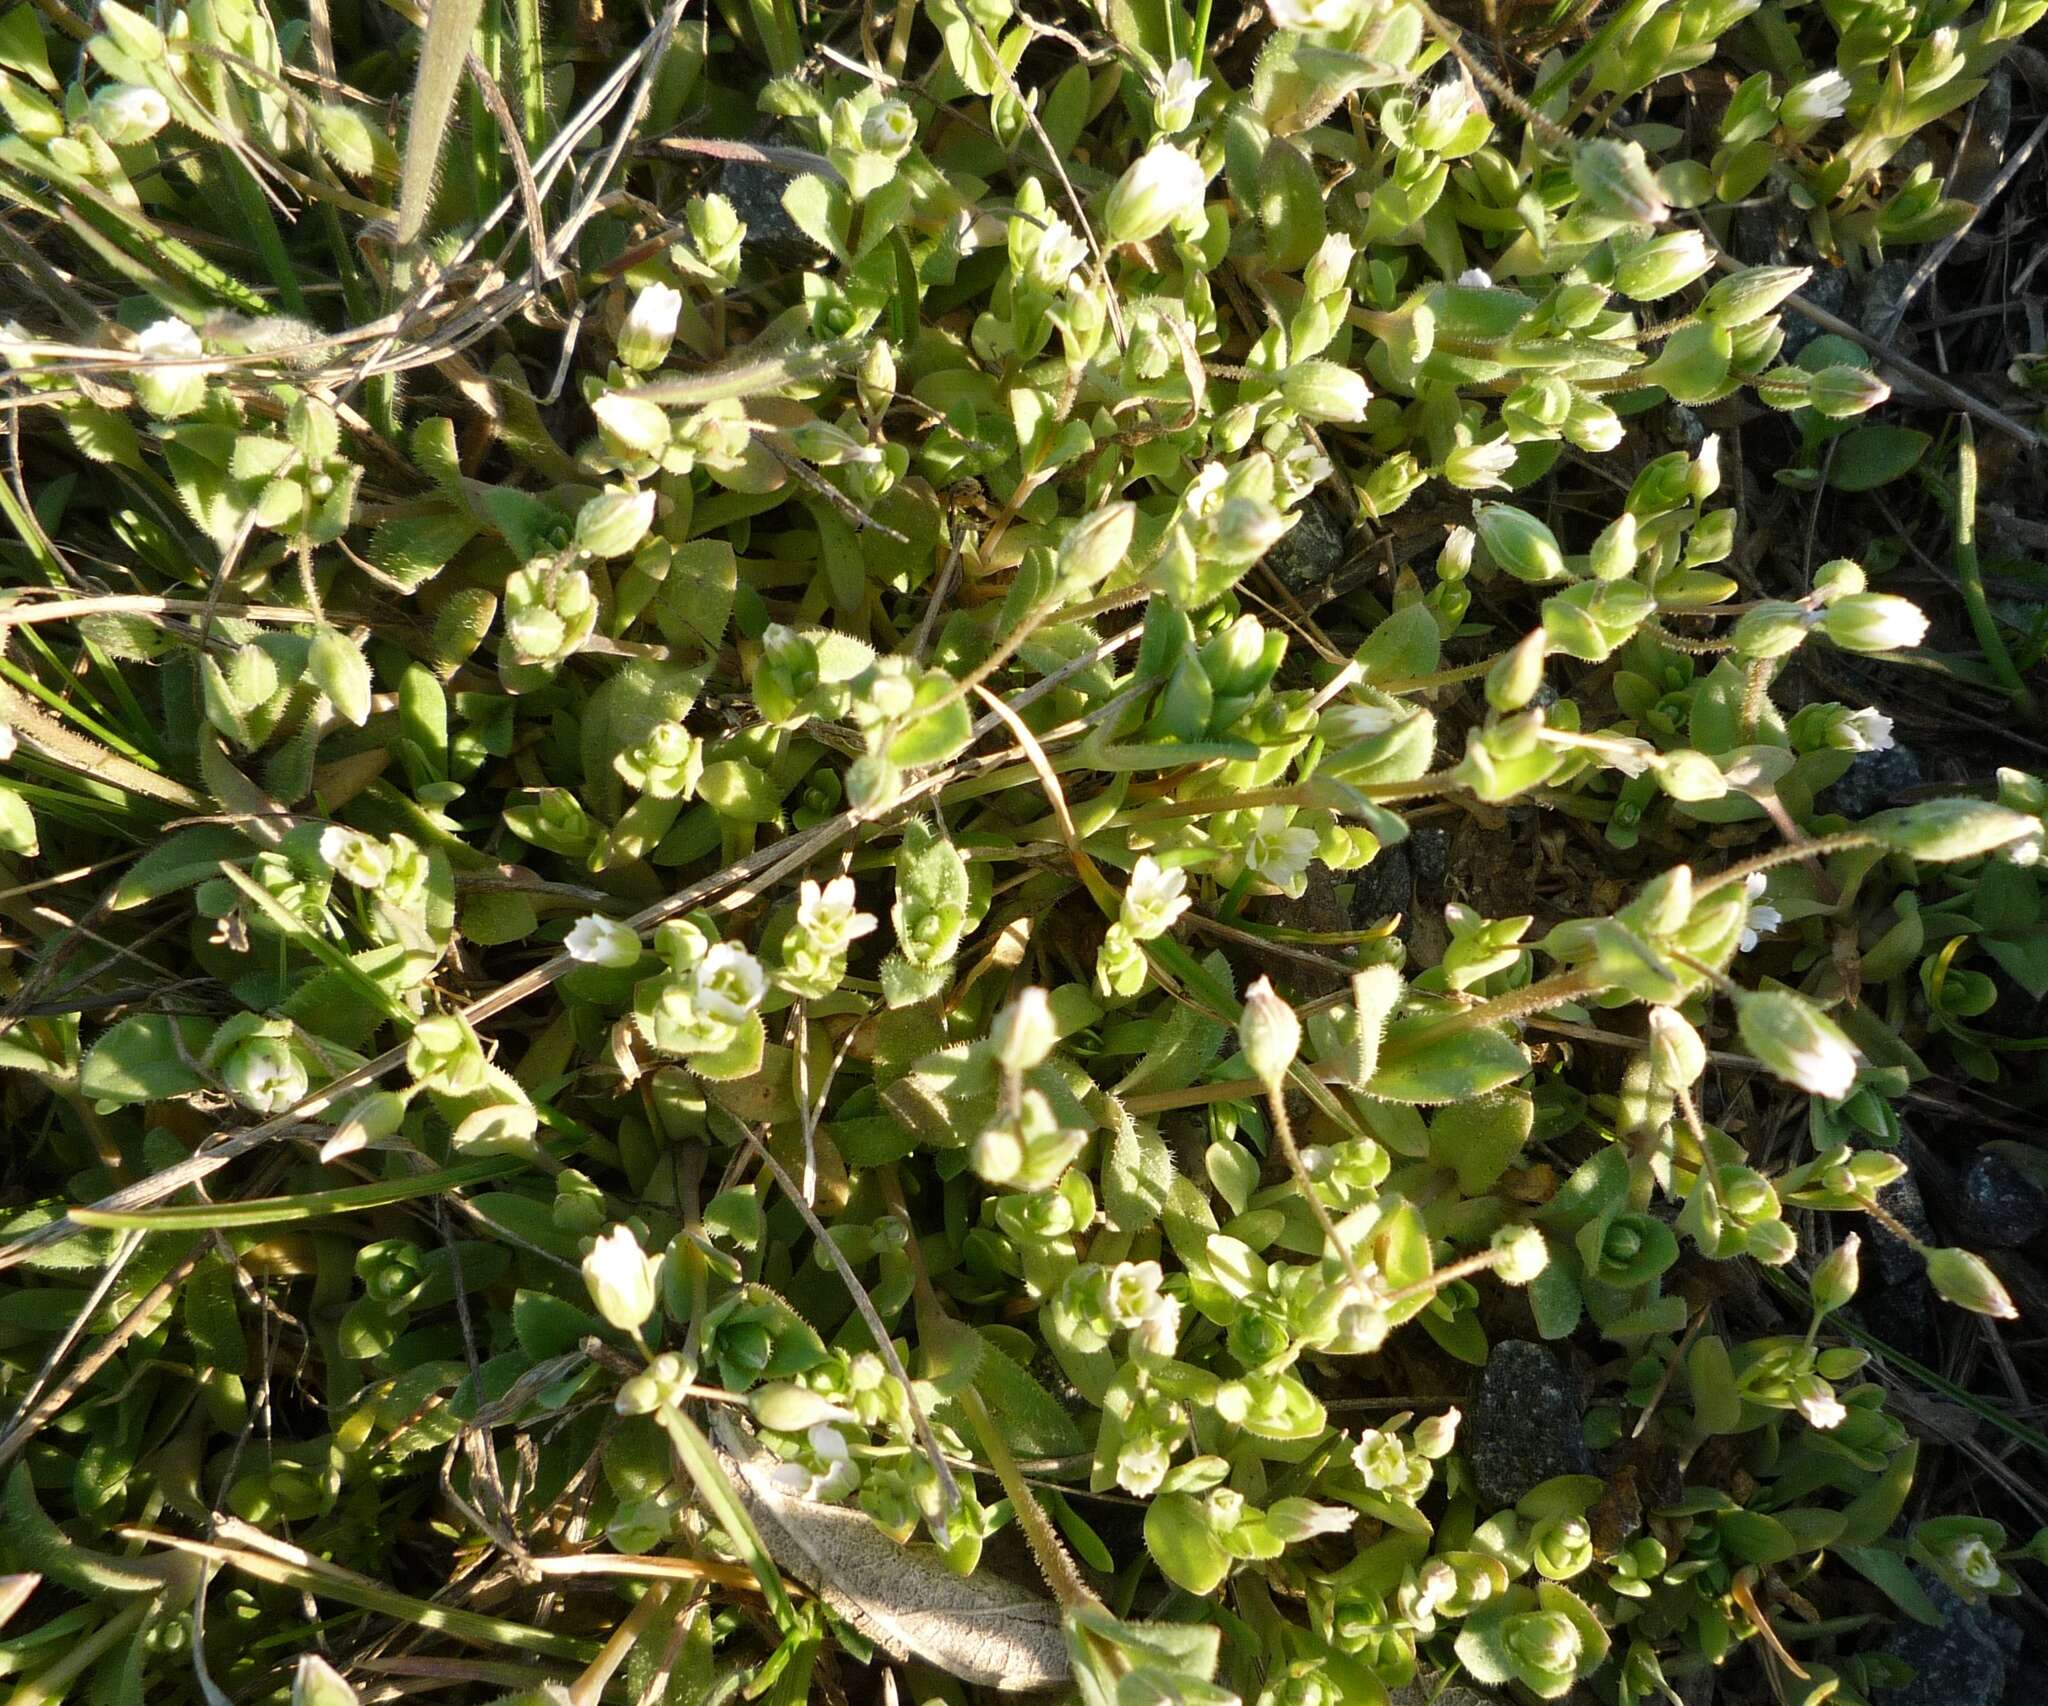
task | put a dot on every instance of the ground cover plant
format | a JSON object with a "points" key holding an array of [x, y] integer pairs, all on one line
{"points": [[884, 853]]}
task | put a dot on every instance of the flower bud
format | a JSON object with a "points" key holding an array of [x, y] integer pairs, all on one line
{"points": [[621, 1278], [1323, 391], [1873, 622], [127, 113], [1517, 673], [1613, 556], [1747, 296], [1616, 179], [318, 1683], [1676, 1048], [1519, 543], [1942, 831], [632, 428], [1661, 266], [1436, 1435], [877, 377], [374, 1118], [1519, 1254], [650, 327], [1688, 775], [1097, 543], [1798, 1042], [1024, 1032], [613, 523], [1844, 390], [1834, 1282], [1772, 630], [1269, 1033], [1968, 1282], [1163, 187], [443, 1054], [1784, 387], [788, 1408]]}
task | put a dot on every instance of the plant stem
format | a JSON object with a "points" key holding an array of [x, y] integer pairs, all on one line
{"points": [[1989, 641]]}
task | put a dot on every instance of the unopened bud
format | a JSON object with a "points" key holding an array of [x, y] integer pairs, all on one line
{"points": [[1269, 1033]]}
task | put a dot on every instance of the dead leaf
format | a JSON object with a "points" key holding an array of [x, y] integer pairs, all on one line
{"points": [[980, 1628]]}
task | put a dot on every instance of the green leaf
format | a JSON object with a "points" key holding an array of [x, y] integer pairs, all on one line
{"points": [[1183, 1545], [1481, 1137], [1870, 456], [1137, 1172], [144, 1059], [1422, 1064]]}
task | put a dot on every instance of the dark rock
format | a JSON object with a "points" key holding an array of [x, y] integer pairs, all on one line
{"points": [[1895, 1300], [2029, 1676], [1882, 300], [1429, 852], [1871, 781], [1756, 235], [1997, 1205], [1829, 289], [1964, 1661], [1525, 1425], [1384, 887], [756, 195], [1309, 553]]}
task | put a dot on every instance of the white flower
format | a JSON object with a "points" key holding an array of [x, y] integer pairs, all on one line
{"points": [[650, 327], [1476, 278], [727, 984], [128, 113], [168, 386], [1812, 101], [1437, 1583], [1974, 1561], [1819, 1405], [621, 1279], [1158, 1331], [1762, 919], [1704, 478], [362, 859], [889, 128], [1059, 255], [1300, 468], [598, 941], [1173, 104], [1280, 854], [1868, 730], [265, 1075], [1479, 467], [828, 918], [1628, 754], [1142, 1464], [1360, 722], [1313, 17], [1163, 186], [1153, 899]]}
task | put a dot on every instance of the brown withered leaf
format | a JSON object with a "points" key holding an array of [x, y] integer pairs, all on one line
{"points": [[980, 1628]]}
